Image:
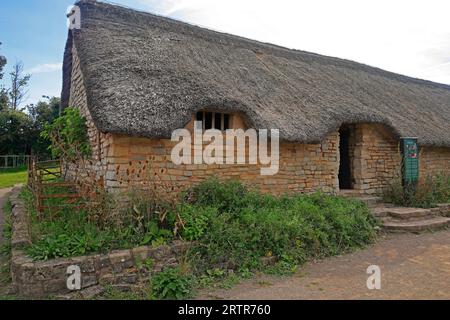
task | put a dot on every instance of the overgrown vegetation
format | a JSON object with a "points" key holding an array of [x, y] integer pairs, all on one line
{"points": [[12, 176], [235, 227], [68, 233], [429, 193], [68, 136], [233, 230], [172, 283], [5, 248]]}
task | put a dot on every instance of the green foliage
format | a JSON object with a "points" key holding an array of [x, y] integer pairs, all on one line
{"points": [[429, 193], [7, 228], [20, 132], [16, 128], [5, 248], [233, 228], [217, 278], [285, 266], [141, 293], [19, 84], [68, 135], [3, 99], [241, 230], [72, 233], [172, 283], [196, 220], [2, 64], [42, 113], [226, 197], [3, 91]]}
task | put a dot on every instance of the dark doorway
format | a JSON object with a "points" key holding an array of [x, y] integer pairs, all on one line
{"points": [[345, 177]]}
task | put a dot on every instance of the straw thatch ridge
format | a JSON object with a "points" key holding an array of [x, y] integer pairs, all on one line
{"points": [[145, 75]]}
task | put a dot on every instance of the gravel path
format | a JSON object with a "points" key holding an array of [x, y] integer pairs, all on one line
{"points": [[412, 267]]}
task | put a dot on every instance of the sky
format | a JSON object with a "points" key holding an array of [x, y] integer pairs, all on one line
{"points": [[404, 36]]}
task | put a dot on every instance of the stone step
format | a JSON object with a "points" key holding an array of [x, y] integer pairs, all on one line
{"points": [[417, 226], [371, 201], [402, 213], [351, 193], [380, 211]]}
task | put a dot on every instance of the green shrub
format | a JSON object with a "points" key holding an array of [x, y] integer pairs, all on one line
{"points": [[171, 283], [72, 233], [5, 248], [68, 135], [429, 193], [240, 230], [226, 197], [233, 228], [195, 220]]}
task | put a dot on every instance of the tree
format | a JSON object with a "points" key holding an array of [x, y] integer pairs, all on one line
{"points": [[20, 132], [3, 99], [19, 84], [42, 113], [15, 132], [2, 64], [3, 91]]}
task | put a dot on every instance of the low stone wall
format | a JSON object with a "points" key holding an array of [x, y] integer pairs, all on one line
{"points": [[442, 210], [38, 279]]}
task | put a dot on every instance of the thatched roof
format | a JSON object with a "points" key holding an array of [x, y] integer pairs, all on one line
{"points": [[145, 75]]}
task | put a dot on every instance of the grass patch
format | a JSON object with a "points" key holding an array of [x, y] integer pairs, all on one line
{"points": [[429, 193], [13, 176]]}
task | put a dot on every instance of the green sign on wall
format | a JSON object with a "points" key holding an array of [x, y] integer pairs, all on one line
{"points": [[410, 155]]}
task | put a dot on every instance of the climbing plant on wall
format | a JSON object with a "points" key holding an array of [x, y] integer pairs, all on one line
{"points": [[68, 136]]}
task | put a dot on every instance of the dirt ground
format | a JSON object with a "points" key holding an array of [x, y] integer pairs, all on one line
{"points": [[412, 267]]}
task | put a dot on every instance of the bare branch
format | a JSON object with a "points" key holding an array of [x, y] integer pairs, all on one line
{"points": [[19, 84]]}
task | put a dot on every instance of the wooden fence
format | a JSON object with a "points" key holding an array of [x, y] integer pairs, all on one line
{"points": [[13, 161], [50, 191]]}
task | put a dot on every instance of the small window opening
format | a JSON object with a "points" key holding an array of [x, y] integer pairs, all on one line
{"points": [[213, 120], [208, 120]]}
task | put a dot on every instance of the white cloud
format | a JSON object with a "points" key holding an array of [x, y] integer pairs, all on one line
{"points": [[411, 37], [44, 68]]}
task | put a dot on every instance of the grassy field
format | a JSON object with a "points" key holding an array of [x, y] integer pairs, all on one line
{"points": [[10, 177]]}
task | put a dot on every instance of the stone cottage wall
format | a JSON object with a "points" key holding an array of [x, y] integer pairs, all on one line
{"points": [[433, 161], [100, 142], [303, 168], [376, 157], [121, 161]]}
